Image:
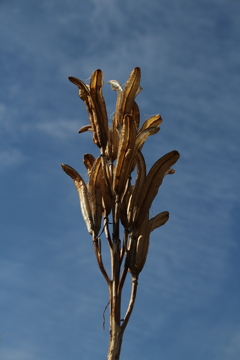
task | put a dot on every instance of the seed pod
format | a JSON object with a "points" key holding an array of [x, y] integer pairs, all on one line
{"points": [[135, 114], [123, 208], [143, 239], [153, 121], [142, 245], [152, 184], [137, 188], [139, 247], [126, 96], [95, 195], [84, 94], [158, 220], [83, 195], [85, 128], [100, 113], [130, 91], [125, 151], [88, 160], [112, 144]]}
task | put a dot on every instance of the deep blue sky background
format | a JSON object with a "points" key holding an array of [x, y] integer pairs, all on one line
{"points": [[52, 294]]}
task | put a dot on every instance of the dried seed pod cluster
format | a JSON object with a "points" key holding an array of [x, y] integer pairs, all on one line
{"points": [[110, 189]]}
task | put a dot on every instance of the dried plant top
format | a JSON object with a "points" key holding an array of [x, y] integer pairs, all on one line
{"points": [[111, 191]]}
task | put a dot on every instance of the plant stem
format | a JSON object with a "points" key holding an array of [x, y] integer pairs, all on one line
{"points": [[116, 333]]}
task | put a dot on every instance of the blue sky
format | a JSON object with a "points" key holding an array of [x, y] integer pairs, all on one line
{"points": [[52, 293]]}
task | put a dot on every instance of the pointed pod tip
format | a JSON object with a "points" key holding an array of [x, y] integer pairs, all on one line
{"points": [[71, 172], [74, 80], [137, 68], [177, 153]]}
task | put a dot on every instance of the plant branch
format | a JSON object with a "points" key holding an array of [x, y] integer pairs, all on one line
{"points": [[97, 250], [131, 302]]}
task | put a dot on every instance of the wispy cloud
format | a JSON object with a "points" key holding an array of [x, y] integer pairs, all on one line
{"points": [[11, 157], [58, 128]]}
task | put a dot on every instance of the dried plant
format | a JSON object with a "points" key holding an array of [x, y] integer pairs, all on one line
{"points": [[111, 191]]}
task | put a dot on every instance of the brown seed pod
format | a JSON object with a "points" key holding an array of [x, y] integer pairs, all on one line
{"points": [[153, 121], [126, 96], [137, 188], [125, 151], [83, 195], [100, 112], [88, 160], [153, 181], [85, 128], [95, 195], [135, 114], [85, 96], [131, 89], [158, 220]]}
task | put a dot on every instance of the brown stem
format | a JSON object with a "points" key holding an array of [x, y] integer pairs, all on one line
{"points": [[97, 250], [131, 302], [107, 233], [116, 332]]}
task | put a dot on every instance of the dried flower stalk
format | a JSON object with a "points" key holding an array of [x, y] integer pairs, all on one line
{"points": [[111, 192]]}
